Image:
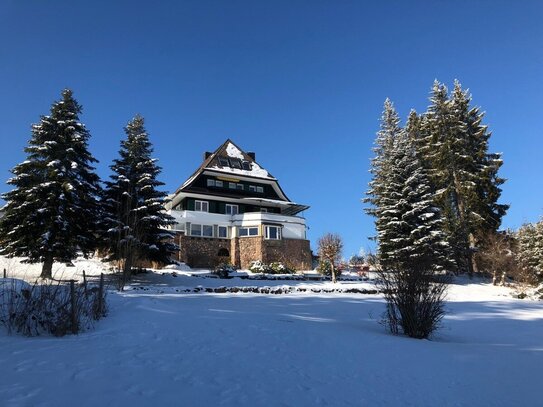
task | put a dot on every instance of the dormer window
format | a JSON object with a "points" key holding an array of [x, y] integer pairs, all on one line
{"points": [[223, 161], [235, 163], [246, 165]]}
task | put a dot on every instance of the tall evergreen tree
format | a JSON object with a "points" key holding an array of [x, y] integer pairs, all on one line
{"points": [[530, 249], [408, 221], [134, 208], [51, 213], [454, 145]]}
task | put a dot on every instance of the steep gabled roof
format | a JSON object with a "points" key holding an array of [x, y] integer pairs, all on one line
{"points": [[229, 150], [221, 161]]}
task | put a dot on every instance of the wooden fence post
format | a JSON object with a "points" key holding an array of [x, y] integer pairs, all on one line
{"points": [[74, 311], [85, 283], [100, 296]]}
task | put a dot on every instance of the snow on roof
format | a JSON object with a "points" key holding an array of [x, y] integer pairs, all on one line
{"points": [[255, 171], [233, 151]]}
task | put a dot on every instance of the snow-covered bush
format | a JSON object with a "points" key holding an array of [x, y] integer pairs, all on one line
{"points": [[52, 308], [280, 268], [223, 270], [273, 268]]}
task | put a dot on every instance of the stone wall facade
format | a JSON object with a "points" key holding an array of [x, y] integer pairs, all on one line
{"points": [[208, 253]]}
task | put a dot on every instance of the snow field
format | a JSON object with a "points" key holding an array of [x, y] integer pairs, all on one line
{"points": [[158, 347]]}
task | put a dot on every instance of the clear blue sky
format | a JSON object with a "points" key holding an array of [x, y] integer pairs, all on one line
{"points": [[302, 83]]}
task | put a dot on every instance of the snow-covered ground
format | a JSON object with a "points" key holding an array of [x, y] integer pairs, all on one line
{"points": [[160, 347]]}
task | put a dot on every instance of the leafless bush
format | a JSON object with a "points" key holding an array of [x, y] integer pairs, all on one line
{"points": [[415, 300], [330, 247], [54, 308]]}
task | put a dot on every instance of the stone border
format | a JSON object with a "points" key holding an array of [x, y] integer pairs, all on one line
{"points": [[268, 290]]}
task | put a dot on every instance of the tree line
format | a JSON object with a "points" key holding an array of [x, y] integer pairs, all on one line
{"points": [[435, 187], [59, 207]]}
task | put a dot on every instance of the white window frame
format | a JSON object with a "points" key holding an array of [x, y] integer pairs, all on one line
{"points": [[232, 185], [194, 227], [252, 188], [204, 206], [199, 229], [267, 232], [260, 190], [231, 212], [225, 229], [218, 183], [210, 182], [264, 210], [209, 228], [248, 229]]}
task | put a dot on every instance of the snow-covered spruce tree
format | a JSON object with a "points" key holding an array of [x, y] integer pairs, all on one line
{"points": [[135, 220], [530, 250], [408, 222], [412, 244], [454, 144], [51, 213], [380, 191]]}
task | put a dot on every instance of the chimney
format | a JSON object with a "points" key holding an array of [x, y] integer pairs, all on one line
{"points": [[207, 154], [252, 155]]}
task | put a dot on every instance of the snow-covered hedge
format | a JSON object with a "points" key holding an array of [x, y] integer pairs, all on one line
{"points": [[272, 268]]}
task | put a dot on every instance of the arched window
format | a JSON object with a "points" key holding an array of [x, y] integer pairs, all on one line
{"points": [[223, 253]]}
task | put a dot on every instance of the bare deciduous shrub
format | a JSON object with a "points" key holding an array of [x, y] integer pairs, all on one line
{"points": [[330, 247], [415, 300], [52, 308]]}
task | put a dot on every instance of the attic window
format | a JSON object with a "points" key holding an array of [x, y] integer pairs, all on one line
{"points": [[223, 161], [246, 165], [235, 163]]}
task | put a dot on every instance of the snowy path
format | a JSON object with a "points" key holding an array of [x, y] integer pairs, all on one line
{"points": [[286, 350]]}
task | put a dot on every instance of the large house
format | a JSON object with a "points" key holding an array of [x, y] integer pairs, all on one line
{"points": [[231, 210]]}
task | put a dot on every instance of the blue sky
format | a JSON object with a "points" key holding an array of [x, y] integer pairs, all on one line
{"points": [[302, 83]]}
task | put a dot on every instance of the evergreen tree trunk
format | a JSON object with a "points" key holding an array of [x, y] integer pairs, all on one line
{"points": [[47, 268]]}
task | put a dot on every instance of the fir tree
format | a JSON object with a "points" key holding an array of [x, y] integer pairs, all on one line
{"points": [[530, 249], [51, 213], [134, 208], [408, 221], [454, 145]]}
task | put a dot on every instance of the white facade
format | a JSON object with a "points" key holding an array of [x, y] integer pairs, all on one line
{"points": [[291, 227]]}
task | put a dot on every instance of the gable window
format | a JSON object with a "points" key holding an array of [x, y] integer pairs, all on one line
{"points": [[201, 206], [260, 190], [272, 232], [246, 165], [248, 231], [232, 209], [223, 161], [232, 185], [223, 232]]}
